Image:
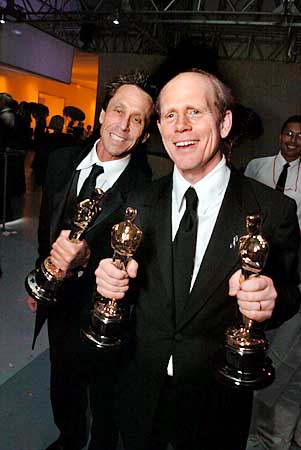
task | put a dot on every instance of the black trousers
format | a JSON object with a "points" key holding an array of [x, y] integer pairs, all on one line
{"points": [[229, 430], [68, 389], [100, 370]]}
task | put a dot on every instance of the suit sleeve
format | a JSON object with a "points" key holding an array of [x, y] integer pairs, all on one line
{"points": [[283, 263], [45, 218]]}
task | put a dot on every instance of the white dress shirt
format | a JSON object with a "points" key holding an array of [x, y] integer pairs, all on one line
{"points": [[112, 170], [267, 171], [210, 191]]}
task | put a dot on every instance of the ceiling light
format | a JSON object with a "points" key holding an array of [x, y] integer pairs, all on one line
{"points": [[116, 19], [2, 17]]}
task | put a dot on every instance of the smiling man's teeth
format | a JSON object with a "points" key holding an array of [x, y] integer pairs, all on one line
{"points": [[185, 143], [117, 138]]}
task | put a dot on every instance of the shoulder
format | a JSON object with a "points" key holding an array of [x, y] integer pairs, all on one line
{"points": [[274, 205], [150, 193], [253, 191], [258, 163], [66, 154]]}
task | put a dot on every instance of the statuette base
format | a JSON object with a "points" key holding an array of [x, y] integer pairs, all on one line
{"points": [[243, 363], [43, 292], [106, 328]]}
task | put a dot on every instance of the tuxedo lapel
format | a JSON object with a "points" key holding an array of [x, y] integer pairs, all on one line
{"points": [[158, 212], [67, 180], [116, 196], [221, 258]]}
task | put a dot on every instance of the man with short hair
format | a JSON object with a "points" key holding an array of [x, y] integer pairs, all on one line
{"points": [[276, 414], [285, 165], [122, 169], [167, 390]]}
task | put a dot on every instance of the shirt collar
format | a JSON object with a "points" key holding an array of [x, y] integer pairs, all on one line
{"points": [[111, 168], [281, 161], [208, 189]]}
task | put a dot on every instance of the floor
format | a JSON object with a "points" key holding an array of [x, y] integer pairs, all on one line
{"points": [[25, 412]]}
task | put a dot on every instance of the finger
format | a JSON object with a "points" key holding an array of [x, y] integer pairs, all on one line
{"points": [[234, 283], [132, 268], [107, 267], [258, 316], [258, 283], [108, 293], [108, 281], [65, 233], [31, 304], [111, 288]]}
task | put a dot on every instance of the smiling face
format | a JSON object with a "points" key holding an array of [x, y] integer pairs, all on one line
{"points": [[190, 126], [124, 123], [290, 141]]}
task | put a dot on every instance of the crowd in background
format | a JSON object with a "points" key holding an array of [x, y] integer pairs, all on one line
{"points": [[33, 137]]}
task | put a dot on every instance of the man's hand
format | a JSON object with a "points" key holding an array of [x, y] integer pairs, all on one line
{"points": [[112, 282], [255, 296], [67, 255], [31, 304]]}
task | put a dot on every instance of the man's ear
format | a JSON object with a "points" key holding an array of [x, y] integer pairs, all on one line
{"points": [[101, 116], [145, 137], [158, 125], [226, 124]]}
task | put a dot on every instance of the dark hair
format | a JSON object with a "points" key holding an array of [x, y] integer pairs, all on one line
{"points": [[296, 119], [140, 79], [223, 96], [6, 101], [56, 123]]}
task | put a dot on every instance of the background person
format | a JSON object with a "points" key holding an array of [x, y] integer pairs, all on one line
{"points": [[268, 169], [276, 414]]}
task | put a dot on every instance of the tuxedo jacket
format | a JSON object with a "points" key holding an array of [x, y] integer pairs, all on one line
{"points": [[60, 188], [204, 408]]}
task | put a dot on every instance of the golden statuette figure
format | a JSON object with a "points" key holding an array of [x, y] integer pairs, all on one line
{"points": [[243, 363], [42, 283], [109, 315]]}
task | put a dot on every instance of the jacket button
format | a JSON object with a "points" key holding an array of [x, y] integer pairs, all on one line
{"points": [[178, 337]]}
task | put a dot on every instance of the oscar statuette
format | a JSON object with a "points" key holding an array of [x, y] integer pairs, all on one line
{"points": [[43, 282], [243, 362], [108, 316]]}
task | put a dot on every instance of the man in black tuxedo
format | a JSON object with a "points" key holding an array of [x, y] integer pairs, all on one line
{"points": [[124, 119], [167, 390]]}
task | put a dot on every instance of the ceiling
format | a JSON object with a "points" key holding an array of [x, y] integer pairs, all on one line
{"points": [[234, 29]]}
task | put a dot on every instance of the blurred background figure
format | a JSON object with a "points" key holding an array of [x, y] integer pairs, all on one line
{"points": [[88, 131], [12, 176], [53, 138]]}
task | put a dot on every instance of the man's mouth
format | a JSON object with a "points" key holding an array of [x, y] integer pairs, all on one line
{"points": [[185, 143], [117, 138]]}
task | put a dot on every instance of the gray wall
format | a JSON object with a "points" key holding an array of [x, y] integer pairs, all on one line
{"points": [[271, 89]]}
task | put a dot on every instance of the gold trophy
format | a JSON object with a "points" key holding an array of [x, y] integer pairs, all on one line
{"points": [[243, 362], [108, 316], [42, 283]]}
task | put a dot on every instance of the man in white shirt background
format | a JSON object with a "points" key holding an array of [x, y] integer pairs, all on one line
{"points": [[268, 169], [276, 423]]}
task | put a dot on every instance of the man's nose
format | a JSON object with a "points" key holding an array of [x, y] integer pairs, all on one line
{"points": [[125, 123], [182, 123]]}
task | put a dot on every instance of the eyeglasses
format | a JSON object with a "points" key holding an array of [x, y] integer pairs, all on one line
{"points": [[291, 134]]}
